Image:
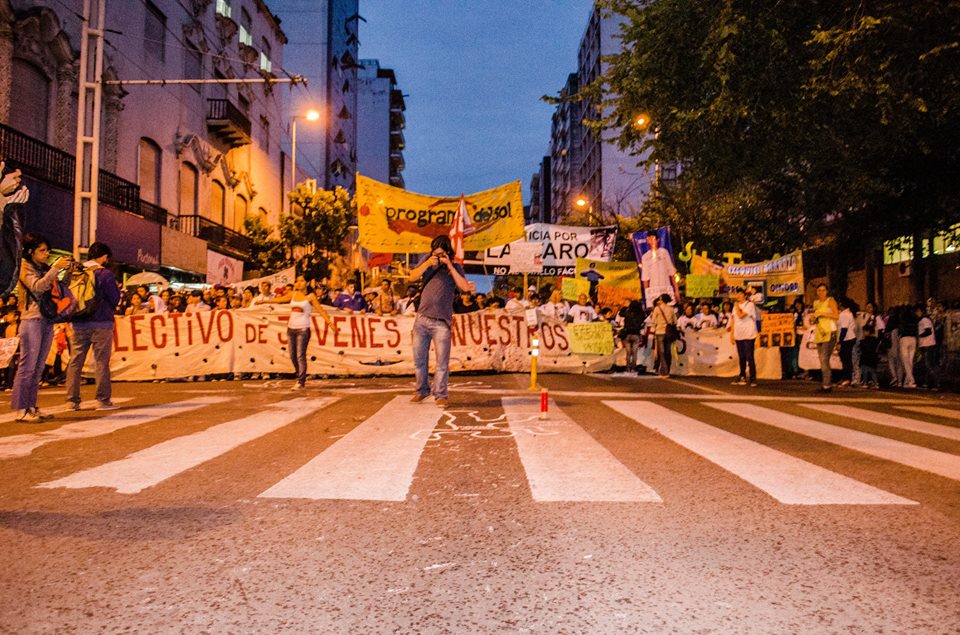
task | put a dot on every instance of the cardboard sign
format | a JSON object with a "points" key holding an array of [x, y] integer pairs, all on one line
{"points": [[592, 338]]}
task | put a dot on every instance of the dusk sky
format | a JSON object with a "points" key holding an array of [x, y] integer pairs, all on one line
{"points": [[474, 73]]}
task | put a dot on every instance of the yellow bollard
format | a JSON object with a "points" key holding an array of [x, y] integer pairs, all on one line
{"points": [[534, 354]]}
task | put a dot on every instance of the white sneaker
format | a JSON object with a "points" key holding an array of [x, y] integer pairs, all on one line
{"points": [[297, 386], [107, 405], [29, 416]]}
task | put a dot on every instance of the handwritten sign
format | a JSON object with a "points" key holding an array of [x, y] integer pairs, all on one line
{"points": [[704, 285], [8, 348], [591, 337], [777, 329]]}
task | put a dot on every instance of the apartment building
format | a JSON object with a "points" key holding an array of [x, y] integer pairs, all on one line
{"points": [[380, 124]]}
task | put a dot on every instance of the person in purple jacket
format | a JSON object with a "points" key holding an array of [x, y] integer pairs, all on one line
{"points": [[96, 331]]}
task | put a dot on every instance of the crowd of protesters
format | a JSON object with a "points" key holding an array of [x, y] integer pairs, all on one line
{"points": [[902, 346]]}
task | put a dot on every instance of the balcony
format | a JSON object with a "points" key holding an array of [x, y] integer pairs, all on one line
{"points": [[56, 167], [397, 142], [218, 236], [228, 123]]}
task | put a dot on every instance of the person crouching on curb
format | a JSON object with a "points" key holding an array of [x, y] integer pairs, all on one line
{"points": [[302, 303], [441, 278]]}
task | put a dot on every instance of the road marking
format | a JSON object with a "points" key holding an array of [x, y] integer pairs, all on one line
{"points": [[375, 461], [914, 456], [23, 444], [790, 480], [713, 391], [148, 467], [565, 463], [87, 405], [937, 411], [886, 419]]}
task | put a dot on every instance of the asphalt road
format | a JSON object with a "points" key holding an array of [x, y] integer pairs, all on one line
{"points": [[638, 505]]}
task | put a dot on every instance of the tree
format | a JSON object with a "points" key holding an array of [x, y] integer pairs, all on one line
{"points": [[797, 123], [316, 229], [266, 250]]}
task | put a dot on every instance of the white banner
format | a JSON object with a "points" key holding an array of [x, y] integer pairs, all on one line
{"points": [[166, 346], [562, 245], [223, 269], [526, 257], [279, 279]]}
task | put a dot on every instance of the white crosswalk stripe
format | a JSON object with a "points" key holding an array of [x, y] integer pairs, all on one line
{"points": [[157, 463], [936, 411], [788, 479], [53, 410], [23, 444], [565, 463], [887, 419], [375, 461], [914, 456]]}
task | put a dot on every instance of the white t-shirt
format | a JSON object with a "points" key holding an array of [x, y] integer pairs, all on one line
{"points": [[847, 321], [581, 313], [926, 340], [686, 322], [556, 310], [745, 328], [702, 321]]}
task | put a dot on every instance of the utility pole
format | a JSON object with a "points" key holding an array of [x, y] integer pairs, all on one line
{"points": [[87, 176]]}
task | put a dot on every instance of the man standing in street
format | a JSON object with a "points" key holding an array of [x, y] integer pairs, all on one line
{"points": [[441, 278], [96, 331]]}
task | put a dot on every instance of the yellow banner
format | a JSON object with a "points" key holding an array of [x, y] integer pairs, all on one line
{"points": [[591, 337], [397, 221], [778, 277], [616, 281], [573, 287]]}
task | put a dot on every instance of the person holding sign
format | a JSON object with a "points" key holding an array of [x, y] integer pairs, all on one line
{"points": [[302, 303], [743, 334], [441, 278]]}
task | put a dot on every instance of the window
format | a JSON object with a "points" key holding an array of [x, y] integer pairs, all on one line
{"points": [[217, 196], [149, 172], [154, 32], [30, 110], [265, 54], [224, 9], [193, 67], [239, 212], [265, 134], [246, 28], [189, 178]]}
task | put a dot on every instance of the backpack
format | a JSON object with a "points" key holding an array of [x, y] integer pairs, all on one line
{"points": [[82, 284], [56, 304]]}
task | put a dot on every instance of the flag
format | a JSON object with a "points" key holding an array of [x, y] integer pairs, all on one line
{"points": [[461, 228]]}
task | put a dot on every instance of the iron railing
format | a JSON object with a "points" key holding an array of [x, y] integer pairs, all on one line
{"points": [[212, 232]]}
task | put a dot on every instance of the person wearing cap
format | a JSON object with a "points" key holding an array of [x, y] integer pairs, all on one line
{"points": [[743, 334], [441, 279], [465, 303]]}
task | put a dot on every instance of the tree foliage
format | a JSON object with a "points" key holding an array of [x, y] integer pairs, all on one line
{"points": [[797, 122]]}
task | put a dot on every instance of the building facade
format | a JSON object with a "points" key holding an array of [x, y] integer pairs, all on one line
{"points": [[583, 164], [323, 47], [380, 124], [182, 166], [540, 191]]}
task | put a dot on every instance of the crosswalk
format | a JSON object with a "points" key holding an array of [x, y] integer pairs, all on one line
{"points": [[378, 458]]}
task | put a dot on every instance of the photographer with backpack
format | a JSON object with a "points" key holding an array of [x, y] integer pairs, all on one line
{"points": [[36, 329], [94, 327]]}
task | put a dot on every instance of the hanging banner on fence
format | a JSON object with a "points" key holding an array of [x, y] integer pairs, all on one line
{"points": [[779, 277], [394, 220], [8, 348], [562, 245], [777, 329], [593, 338], [279, 279], [655, 256], [610, 282]]}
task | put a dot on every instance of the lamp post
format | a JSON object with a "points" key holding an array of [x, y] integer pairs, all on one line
{"points": [[310, 115], [582, 202]]}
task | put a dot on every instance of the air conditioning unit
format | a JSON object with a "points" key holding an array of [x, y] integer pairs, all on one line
{"points": [[904, 269]]}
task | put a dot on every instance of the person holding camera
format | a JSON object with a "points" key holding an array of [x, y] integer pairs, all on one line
{"points": [[95, 331], [36, 331], [441, 279]]}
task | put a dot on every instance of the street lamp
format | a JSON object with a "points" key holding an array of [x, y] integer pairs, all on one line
{"points": [[582, 202], [310, 115]]}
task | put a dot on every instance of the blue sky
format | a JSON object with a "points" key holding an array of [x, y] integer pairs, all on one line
{"points": [[474, 72]]}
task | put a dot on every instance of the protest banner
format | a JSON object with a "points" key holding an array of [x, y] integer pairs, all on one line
{"points": [[779, 277], [655, 256], [593, 338], [616, 281], [8, 348], [279, 279], [394, 220], [709, 352], [526, 257], [573, 288], [223, 269], [777, 329], [702, 285], [562, 245]]}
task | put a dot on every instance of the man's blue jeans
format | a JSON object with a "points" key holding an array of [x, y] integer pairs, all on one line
{"points": [[426, 330]]}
